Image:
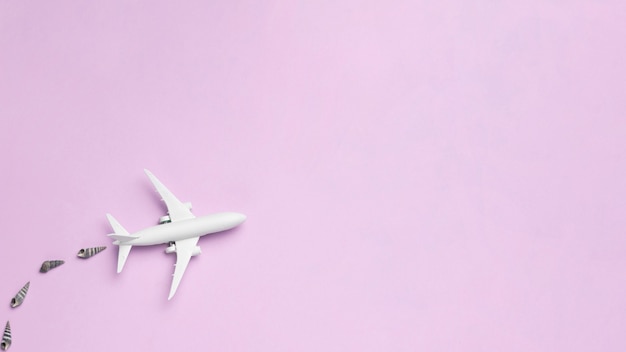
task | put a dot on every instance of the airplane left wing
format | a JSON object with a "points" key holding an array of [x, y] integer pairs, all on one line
{"points": [[175, 208], [185, 249]]}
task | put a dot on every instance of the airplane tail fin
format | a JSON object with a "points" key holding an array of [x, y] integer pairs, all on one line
{"points": [[120, 236]]}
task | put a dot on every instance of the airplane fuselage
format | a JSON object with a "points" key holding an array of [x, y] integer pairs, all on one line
{"points": [[184, 229]]}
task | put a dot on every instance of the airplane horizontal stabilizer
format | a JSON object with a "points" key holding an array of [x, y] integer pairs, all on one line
{"points": [[122, 256], [120, 232], [122, 238]]}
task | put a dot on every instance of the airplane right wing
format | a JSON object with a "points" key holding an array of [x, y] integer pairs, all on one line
{"points": [[184, 251], [175, 208]]}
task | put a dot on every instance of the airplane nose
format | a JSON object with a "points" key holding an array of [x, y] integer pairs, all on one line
{"points": [[240, 218]]}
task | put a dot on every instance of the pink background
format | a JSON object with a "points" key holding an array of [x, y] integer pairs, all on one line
{"points": [[417, 175]]}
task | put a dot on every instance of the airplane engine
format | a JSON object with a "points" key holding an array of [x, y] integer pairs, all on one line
{"points": [[171, 248], [196, 251], [164, 219]]}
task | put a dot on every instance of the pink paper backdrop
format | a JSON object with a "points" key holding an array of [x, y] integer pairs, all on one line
{"points": [[417, 175]]}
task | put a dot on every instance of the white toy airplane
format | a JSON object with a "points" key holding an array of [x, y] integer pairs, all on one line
{"points": [[180, 229]]}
